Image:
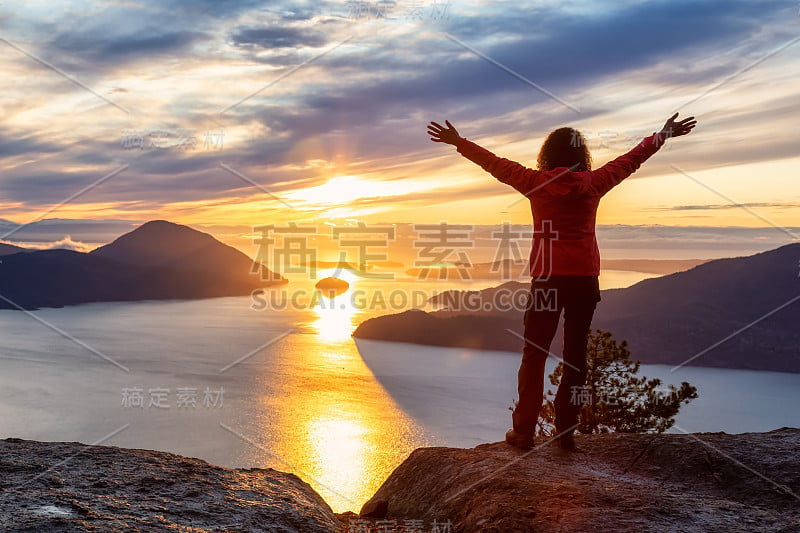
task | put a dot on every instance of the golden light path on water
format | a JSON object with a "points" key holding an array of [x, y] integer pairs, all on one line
{"points": [[342, 432]]}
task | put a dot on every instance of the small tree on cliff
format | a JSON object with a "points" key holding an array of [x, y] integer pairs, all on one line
{"points": [[615, 398]]}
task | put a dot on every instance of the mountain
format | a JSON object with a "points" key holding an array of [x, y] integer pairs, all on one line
{"points": [[736, 313], [8, 249], [512, 269], [161, 243], [740, 312], [158, 260], [165, 245]]}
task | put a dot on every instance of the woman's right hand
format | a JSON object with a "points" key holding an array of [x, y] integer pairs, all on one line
{"points": [[676, 129]]}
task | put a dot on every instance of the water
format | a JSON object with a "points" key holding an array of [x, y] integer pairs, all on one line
{"points": [[299, 404], [291, 389], [466, 394]]}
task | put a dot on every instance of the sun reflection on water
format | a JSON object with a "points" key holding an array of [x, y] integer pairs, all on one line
{"points": [[341, 451], [334, 321], [336, 425]]}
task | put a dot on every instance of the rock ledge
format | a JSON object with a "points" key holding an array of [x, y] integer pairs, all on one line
{"points": [[69, 486], [615, 482]]}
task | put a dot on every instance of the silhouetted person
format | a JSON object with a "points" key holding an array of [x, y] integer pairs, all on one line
{"points": [[564, 193]]}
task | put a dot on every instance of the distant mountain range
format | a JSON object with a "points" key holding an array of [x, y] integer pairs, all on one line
{"points": [[158, 260], [740, 312], [513, 269], [8, 249]]}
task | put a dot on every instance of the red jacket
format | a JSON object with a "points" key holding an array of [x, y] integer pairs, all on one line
{"points": [[563, 204]]}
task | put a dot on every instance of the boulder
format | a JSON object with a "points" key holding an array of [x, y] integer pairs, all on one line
{"points": [[69, 486]]}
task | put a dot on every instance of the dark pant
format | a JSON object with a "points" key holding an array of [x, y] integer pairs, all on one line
{"points": [[578, 297]]}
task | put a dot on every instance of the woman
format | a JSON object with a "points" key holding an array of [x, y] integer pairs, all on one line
{"points": [[564, 193]]}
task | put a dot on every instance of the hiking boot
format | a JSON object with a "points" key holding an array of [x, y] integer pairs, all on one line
{"points": [[519, 440]]}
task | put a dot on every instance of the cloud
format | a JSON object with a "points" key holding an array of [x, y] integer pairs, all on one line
{"points": [[95, 49], [703, 240], [10, 145], [272, 37], [44, 233], [616, 241], [66, 243], [723, 206], [565, 54], [366, 103]]}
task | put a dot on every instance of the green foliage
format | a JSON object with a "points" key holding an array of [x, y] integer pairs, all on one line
{"points": [[615, 398]]}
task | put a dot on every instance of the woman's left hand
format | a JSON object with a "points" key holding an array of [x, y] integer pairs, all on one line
{"points": [[440, 134]]}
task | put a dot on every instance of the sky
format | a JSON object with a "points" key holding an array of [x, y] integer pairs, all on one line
{"points": [[231, 115]]}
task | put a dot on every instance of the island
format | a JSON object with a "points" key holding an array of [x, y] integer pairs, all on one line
{"points": [[158, 260]]}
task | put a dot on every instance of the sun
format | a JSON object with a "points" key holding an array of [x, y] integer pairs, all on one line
{"points": [[338, 190], [342, 190]]}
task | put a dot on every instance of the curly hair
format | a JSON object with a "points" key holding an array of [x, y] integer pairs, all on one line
{"points": [[565, 147]]}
